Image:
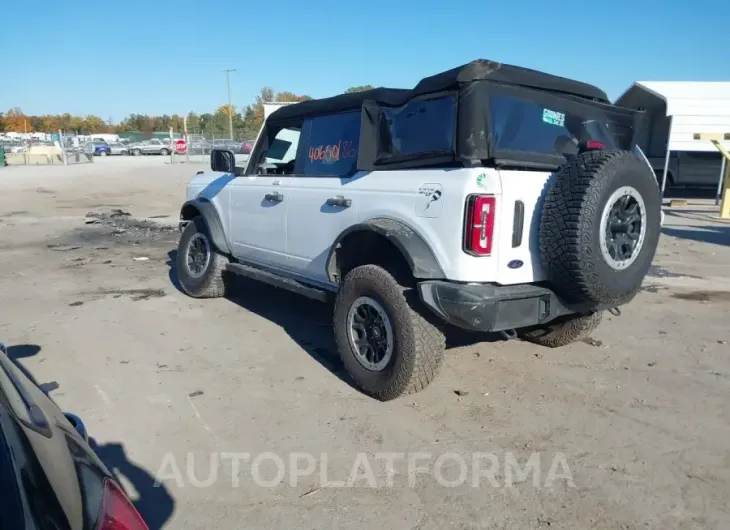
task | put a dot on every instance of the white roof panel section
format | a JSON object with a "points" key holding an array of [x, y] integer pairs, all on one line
{"points": [[695, 107]]}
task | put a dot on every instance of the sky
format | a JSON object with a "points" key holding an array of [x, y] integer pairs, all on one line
{"points": [[112, 59]]}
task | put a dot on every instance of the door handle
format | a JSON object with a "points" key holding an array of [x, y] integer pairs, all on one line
{"points": [[274, 197], [339, 201]]}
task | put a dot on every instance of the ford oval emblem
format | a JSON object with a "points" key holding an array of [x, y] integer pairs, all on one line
{"points": [[515, 264]]}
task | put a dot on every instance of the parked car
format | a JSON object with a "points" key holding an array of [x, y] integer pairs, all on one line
{"points": [[51, 478], [689, 168], [527, 210], [101, 148], [119, 148], [226, 143], [149, 147], [247, 147], [200, 147]]}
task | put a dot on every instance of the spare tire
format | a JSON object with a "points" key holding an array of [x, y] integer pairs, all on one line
{"points": [[600, 227]]}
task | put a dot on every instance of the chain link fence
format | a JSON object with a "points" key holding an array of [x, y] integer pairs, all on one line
{"points": [[200, 145], [28, 153], [82, 149]]}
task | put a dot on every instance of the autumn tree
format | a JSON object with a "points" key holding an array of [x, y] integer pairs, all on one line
{"points": [[268, 95], [16, 121], [247, 120], [49, 123]]}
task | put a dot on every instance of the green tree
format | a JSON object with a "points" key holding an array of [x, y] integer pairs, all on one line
{"points": [[193, 123], [35, 123], [361, 88], [176, 122], [207, 123]]}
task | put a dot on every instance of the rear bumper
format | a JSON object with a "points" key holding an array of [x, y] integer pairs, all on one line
{"points": [[489, 307]]}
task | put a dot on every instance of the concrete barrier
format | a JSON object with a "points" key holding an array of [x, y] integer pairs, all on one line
{"points": [[32, 159], [45, 159]]}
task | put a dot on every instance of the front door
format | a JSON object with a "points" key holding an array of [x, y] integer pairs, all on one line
{"points": [[259, 203], [258, 220]]}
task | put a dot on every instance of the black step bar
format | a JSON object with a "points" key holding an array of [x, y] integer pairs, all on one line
{"points": [[279, 281]]}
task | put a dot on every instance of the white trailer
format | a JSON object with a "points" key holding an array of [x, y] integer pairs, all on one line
{"points": [[676, 110], [108, 138]]}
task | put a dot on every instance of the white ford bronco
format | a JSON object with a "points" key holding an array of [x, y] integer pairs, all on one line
{"points": [[489, 197]]}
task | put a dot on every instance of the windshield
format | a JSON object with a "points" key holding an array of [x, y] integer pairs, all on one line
{"points": [[519, 124]]}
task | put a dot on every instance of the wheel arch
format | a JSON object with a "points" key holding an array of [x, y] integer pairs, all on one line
{"points": [[659, 174], [409, 245], [206, 210]]}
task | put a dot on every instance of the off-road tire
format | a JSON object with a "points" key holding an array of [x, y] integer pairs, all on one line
{"points": [[212, 283], [564, 331], [570, 226], [419, 345]]}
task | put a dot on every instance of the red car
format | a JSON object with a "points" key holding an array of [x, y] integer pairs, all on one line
{"points": [[247, 147]]}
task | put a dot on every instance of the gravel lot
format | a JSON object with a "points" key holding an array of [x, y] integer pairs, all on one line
{"points": [[169, 384]]}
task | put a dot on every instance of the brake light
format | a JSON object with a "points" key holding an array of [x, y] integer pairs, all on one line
{"points": [[117, 511], [595, 145], [479, 229]]}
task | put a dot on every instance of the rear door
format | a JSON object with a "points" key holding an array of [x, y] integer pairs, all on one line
{"points": [[323, 202]]}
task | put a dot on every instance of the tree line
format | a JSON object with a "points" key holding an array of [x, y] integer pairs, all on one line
{"points": [[246, 120]]}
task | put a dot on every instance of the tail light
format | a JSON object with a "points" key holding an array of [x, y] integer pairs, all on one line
{"points": [[479, 228], [592, 145], [117, 511]]}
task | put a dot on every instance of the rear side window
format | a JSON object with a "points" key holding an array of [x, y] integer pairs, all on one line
{"points": [[418, 127], [332, 145], [522, 125]]}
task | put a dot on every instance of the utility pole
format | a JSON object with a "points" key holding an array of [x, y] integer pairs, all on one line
{"points": [[230, 109]]}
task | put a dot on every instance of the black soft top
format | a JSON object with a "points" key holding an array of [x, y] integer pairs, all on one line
{"points": [[489, 109], [475, 71]]}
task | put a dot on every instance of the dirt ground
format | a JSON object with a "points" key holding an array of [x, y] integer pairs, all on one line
{"points": [[640, 411]]}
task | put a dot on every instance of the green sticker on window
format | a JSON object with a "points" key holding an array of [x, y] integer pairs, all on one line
{"points": [[553, 117]]}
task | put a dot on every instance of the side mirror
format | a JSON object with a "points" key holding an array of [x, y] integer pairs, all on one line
{"points": [[222, 160]]}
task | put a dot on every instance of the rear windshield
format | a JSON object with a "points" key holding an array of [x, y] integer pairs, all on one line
{"points": [[520, 124]]}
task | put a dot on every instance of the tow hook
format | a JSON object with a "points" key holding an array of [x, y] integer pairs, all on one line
{"points": [[615, 311], [509, 334]]}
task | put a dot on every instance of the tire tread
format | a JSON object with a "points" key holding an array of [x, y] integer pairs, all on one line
{"points": [[426, 352], [570, 330], [213, 284]]}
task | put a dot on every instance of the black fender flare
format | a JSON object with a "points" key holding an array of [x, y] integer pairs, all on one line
{"points": [[209, 213], [414, 249]]}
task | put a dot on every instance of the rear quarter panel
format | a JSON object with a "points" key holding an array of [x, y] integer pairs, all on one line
{"points": [[401, 195], [405, 196]]}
